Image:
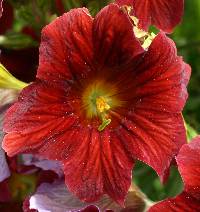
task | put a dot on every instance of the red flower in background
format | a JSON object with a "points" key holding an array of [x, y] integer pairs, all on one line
{"points": [[1, 8], [100, 102], [189, 168], [22, 63], [6, 15], [164, 14]]}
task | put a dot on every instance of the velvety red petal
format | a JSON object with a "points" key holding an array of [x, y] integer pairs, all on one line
{"points": [[114, 39], [187, 73], [66, 47], [189, 166], [183, 202], [41, 114], [164, 14], [103, 167], [124, 2], [6, 16], [153, 130], [153, 137], [161, 77], [1, 8]]}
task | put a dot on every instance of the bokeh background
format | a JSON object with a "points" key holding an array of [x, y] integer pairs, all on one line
{"points": [[20, 28]]}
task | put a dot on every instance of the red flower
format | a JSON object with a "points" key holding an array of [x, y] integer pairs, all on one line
{"points": [[6, 15], [1, 8], [100, 102], [164, 14], [189, 167]]}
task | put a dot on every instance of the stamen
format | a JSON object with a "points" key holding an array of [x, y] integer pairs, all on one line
{"points": [[98, 98], [102, 106]]}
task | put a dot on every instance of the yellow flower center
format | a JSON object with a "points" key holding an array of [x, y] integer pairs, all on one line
{"points": [[102, 107], [98, 99], [101, 104]]}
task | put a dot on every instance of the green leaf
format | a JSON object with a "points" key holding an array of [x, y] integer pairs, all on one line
{"points": [[16, 41], [191, 132], [148, 181]]}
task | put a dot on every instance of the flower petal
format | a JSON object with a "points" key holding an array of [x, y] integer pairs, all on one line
{"points": [[114, 39], [161, 77], [187, 73], [189, 166], [41, 114], [66, 47], [6, 16], [56, 198], [38, 161], [164, 14], [154, 127], [152, 137], [182, 202], [104, 167], [7, 96], [1, 8], [124, 2], [4, 171], [26, 205]]}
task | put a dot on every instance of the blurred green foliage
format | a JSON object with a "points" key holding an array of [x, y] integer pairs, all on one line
{"points": [[148, 181], [187, 38]]}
